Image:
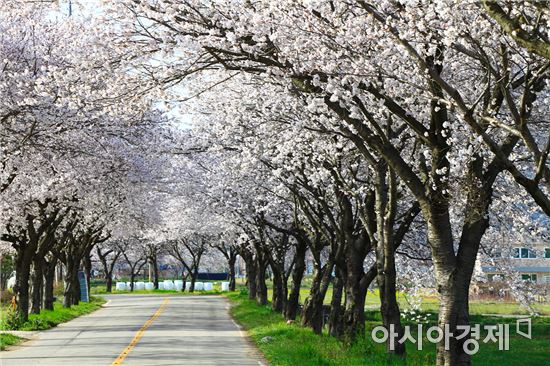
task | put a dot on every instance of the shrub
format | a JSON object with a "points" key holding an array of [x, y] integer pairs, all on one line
{"points": [[38, 324], [8, 340], [12, 320]]}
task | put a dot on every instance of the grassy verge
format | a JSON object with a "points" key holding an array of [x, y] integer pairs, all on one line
{"points": [[8, 340], [431, 304], [51, 318], [293, 345]]}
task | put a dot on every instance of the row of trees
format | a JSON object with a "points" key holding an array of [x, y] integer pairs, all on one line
{"points": [[74, 137], [85, 159], [186, 255], [369, 134], [388, 142]]}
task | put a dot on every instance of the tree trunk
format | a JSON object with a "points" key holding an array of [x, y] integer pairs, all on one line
{"points": [[452, 302], [297, 276], [385, 264], [261, 287], [67, 287], [72, 286], [154, 262], [87, 260], [312, 313], [21, 288], [335, 325], [355, 285], [132, 279], [22, 283], [231, 263], [183, 280], [37, 285], [453, 311], [49, 278], [453, 276], [389, 308], [354, 314], [194, 275], [279, 299], [76, 288], [385, 210], [109, 282], [251, 277], [251, 269]]}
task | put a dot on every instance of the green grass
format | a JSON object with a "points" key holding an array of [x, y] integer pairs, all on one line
{"points": [[51, 318], [371, 299], [431, 304], [8, 340], [294, 345], [492, 307]]}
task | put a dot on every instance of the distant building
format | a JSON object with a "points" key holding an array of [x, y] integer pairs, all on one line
{"points": [[532, 264]]}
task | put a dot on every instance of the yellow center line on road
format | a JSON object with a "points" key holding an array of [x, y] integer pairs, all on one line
{"points": [[139, 334]]}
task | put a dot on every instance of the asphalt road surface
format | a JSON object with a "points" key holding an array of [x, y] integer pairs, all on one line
{"points": [[142, 330]]}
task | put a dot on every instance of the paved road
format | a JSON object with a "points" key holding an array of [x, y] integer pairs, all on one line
{"points": [[187, 330]]}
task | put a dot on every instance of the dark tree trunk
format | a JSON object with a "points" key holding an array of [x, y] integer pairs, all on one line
{"points": [[194, 275], [22, 283], [37, 285], [26, 251], [279, 297], [454, 273], [76, 289], [335, 325], [72, 287], [261, 287], [389, 308], [385, 210], [251, 270], [132, 279], [87, 261], [312, 313], [285, 292], [454, 311], [49, 277], [356, 290], [155, 265], [251, 278], [354, 314], [463, 318], [21, 288], [109, 282], [297, 276], [454, 291], [231, 263]]}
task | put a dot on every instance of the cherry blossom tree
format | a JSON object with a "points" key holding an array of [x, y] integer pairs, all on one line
{"points": [[429, 91], [369, 136], [70, 130]]}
